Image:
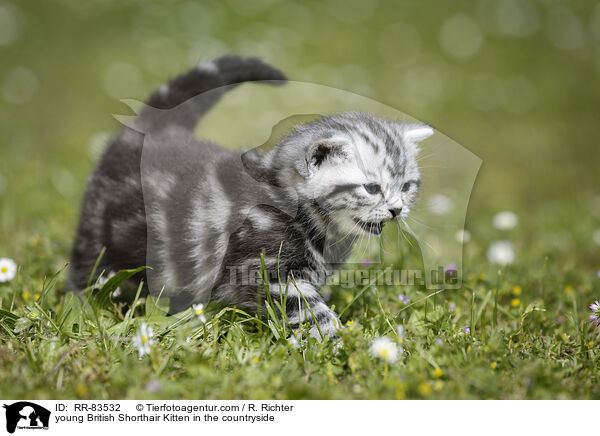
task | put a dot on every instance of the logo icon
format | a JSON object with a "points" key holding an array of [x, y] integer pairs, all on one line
{"points": [[26, 415]]}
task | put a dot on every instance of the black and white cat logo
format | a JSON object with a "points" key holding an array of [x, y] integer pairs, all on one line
{"points": [[26, 415]]}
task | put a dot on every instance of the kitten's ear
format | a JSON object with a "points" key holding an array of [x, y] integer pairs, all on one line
{"points": [[322, 151], [257, 164], [417, 132]]}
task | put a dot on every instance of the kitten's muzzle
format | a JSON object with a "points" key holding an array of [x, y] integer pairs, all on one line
{"points": [[372, 227]]}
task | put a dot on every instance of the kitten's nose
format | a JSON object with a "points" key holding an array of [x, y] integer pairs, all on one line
{"points": [[395, 212]]}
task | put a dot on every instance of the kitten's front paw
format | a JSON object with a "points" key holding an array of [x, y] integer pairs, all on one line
{"points": [[327, 328]]}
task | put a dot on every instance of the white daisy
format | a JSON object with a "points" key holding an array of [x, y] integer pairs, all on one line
{"points": [[385, 349], [293, 341], [199, 312], [440, 204], [105, 278], [401, 334], [596, 237], [462, 236], [501, 253], [143, 339], [505, 220], [8, 269]]}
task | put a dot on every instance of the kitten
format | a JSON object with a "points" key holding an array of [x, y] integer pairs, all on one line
{"points": [[201, 216]]}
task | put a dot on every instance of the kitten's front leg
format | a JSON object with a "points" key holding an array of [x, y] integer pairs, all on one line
{"points": [[304, 304]]}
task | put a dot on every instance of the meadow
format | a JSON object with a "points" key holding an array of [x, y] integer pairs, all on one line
{"points": [[516, 83]]}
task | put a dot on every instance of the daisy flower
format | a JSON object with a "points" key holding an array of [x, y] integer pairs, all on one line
{"points": [[352, 323], [143, 339], [293, 342], [505, 220], [462, 236], [440, 204], [595, 308], [8, 269], [199, 312], [401, 334], [385, 349], [103, 279], [596, 237], [501, 253]]}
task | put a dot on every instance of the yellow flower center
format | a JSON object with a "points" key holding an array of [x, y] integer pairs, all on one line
{"points": [[199, 312], [425, 388], [81, 389], [515, 302], [385, 353], [144, 339], [4, 270]]}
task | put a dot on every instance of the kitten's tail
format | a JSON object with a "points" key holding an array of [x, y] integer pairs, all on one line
{"points": [[187, 97]]}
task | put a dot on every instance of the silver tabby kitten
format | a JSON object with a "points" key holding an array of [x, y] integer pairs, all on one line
{"points": [[201, 215]]}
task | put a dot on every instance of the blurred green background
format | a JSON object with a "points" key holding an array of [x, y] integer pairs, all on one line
{"points": [[515, 82]]}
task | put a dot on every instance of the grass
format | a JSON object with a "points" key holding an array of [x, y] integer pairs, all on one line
{"points": [[529, 337], [524, 105]]}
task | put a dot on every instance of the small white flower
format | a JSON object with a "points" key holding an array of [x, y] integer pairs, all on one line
{"points": [[401, 334], [199, 312], [8, 269], [293, 341], [462, 236], [143, 339], [505, 220], [384, 348], [501, 253], [105, 278], [440, 204], [596, 237]]}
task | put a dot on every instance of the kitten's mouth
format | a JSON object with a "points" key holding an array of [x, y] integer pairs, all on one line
{"points": [[370, 227]]}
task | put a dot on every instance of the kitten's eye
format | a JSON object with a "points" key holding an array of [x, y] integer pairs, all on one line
{"points": [[372, 188], [406, 187]]}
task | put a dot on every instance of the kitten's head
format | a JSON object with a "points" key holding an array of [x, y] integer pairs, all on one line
{"points": [[359, 171]]}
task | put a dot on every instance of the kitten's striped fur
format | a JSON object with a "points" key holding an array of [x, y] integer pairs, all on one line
{"points": [[201, 215]]}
